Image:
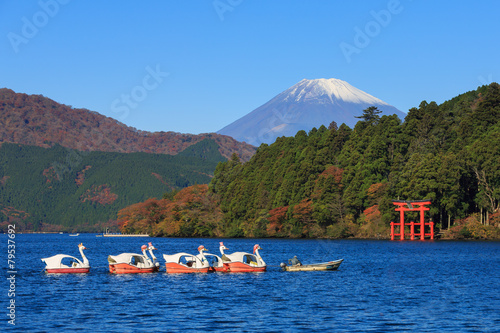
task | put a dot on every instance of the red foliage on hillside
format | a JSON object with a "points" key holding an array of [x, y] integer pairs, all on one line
{"points": [[332, 171], [13, 214], [276, 218], [10, 216], [193, 212], [99, 194], [39, 121], [80, 177], [3, 180], [376, 191], [372, 213], [51, 175]]}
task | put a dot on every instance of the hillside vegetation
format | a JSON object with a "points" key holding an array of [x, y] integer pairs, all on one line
{"points": [[340, 182], [39, 121], [57, 188]]}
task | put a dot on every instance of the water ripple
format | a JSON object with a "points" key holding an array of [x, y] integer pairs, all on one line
{"points": [[381, 286]]}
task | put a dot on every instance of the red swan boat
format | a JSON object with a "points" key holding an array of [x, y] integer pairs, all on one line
{"points": [[239, 262], [126, 263], [187, 263]]}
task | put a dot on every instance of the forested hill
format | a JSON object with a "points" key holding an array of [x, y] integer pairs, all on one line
{"points": [[57, 188], [39, 121], [340, 182]]}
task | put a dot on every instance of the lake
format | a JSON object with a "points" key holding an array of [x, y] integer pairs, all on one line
{"points": [[382, 286]]}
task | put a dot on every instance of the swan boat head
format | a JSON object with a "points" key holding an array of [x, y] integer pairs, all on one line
{"points": [[224, 256], [150, 249], [260, 261]]}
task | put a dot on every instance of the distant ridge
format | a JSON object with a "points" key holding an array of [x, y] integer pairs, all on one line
{"points": [[39, 121], [307, 104]]}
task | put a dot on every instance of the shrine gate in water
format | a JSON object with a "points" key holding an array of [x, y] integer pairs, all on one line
{"points": [[412, 206]]}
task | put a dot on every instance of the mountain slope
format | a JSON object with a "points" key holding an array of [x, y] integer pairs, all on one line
{"points": [[53, 188], [308, 104], [40, 121]]}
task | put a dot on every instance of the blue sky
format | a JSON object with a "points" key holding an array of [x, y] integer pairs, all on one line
{"points": [[196, 66]]}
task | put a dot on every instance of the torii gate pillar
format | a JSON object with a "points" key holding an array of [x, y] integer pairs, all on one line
{"points": [[411, 206]]}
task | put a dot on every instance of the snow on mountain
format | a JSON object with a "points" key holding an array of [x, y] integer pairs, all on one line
{"points": [[308, 104], [333, 89]]}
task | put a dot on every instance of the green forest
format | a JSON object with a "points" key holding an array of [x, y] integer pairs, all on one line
{"points": [[61, 189], [340, 182]]}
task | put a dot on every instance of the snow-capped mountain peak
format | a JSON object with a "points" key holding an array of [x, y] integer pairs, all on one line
{"points": [[307, 104], [333, 89]]}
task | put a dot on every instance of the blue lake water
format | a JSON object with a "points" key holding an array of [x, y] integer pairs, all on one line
{"points": [[381, 286]]}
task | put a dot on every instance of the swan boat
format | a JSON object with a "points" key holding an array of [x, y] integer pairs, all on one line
{"points": [[239, 262], [62, 263], [324, 266], [133, 263], [215, 262], [187, 263]]}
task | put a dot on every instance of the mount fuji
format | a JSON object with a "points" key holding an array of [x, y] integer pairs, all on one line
{"points": [[308, 104]]}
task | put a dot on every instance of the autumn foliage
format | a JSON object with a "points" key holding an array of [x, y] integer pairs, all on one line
{"points": [[100, 194], [276, 218], [39, 121], [80, 177], [192, 212]]}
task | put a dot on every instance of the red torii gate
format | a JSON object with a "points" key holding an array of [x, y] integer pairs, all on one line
{"points": [[411, 206]]}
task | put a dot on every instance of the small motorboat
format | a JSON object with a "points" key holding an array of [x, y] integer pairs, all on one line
{"points": [[126, 263], [187, 263], [323, 266], [239, 262], [74, 235], [62, 263]]}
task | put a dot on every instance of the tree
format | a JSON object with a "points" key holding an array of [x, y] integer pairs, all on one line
{"points": [[333, 126], [484, 160], [371, 115]]}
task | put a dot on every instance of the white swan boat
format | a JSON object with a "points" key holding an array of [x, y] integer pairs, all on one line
{"points": [[62, 263]]}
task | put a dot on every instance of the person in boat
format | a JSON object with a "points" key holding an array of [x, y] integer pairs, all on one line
{"points": [[295, 261]]}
